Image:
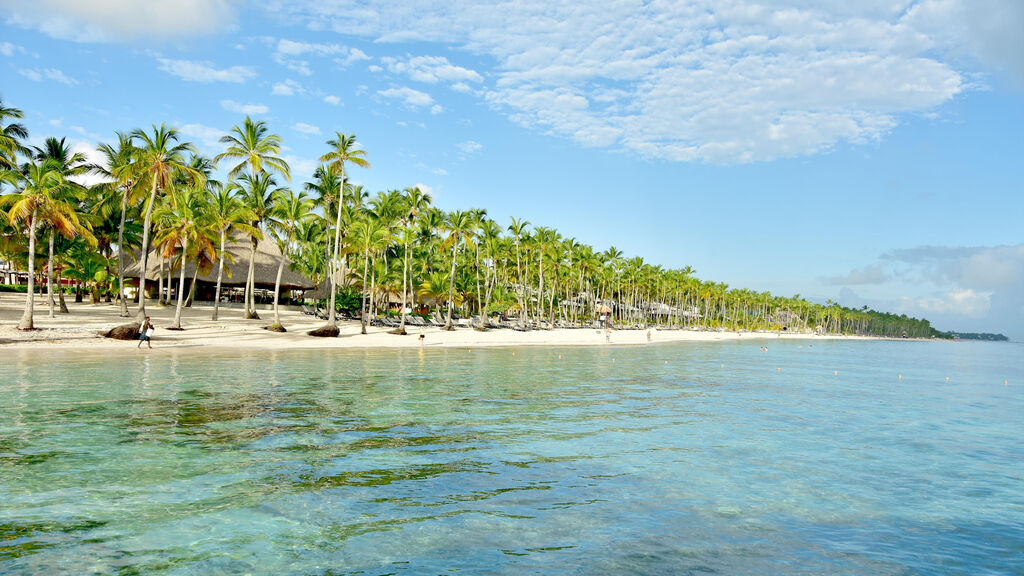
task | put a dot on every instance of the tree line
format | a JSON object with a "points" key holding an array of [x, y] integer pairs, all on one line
{"points": [[159, 198]]}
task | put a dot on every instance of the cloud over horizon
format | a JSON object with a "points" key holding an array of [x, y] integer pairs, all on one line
{"points": [[964, 287]]}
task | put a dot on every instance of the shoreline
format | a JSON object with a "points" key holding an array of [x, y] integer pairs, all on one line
{"points": [[79, 330]]}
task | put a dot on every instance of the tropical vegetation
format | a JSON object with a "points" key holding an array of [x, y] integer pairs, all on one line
{"points": [[388, 254]]}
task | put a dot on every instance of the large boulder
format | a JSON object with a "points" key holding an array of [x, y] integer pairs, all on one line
{"points": [[122, 332]]}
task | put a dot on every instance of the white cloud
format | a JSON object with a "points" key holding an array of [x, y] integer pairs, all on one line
{"points": [[121, 20], [207, 138], [288, 53], [8, 49], [31, 74], [440, 171], [204, 71], [287, 88], [428, 190], [431, 69], [48, 74], [306, 128], [962, 302], [332, 100], [247, 109], [965, 288], [300, 167], [409, 97], [58, 76], [469, 146], [704, 80]]}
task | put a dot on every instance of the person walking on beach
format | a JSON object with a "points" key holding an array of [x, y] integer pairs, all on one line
{"points": [[145, 333], [423, 336]]}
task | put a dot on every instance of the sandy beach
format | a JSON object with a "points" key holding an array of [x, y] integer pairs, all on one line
{"points": [[80, 329]]}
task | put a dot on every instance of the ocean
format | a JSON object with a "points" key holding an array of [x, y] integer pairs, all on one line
{"points": [[810, 457]]}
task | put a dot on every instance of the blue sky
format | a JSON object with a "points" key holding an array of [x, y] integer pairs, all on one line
{"points": [[866, 152]]}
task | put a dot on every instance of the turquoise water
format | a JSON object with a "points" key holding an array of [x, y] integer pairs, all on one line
{"points": [[662, 459]]}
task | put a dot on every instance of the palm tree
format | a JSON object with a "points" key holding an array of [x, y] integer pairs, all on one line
{"points": [[183, 221], [369, 234], [290, 210], [39, 202], [518, 228], [161, 159], [228, 214], [120, 168], [71, 164], [457, 225], [325, 187], [343, 149], [415, 201], [258, 194], [11, 137], [254, 148]]}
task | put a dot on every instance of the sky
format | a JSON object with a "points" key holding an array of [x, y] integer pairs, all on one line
{"points": [[868, 152]]}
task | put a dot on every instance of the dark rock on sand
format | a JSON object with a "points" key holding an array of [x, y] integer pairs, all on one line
{"points": [[122, 332]]}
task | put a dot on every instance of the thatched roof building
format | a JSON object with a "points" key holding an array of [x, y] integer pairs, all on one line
{"points": [[267, 258]]}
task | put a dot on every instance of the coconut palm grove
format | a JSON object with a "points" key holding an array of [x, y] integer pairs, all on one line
{"points": [[380, 256]]}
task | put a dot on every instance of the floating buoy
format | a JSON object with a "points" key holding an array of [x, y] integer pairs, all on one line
{"points": [[836, 372], [947, 378], [901, 376], [1006, 382], [723, 365], [779, 369]]}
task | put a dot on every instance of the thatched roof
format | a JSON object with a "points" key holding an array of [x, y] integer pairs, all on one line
{"points": [[267, 259]]}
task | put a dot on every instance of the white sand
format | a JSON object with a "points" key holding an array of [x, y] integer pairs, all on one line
{"points": [[79, 330]]}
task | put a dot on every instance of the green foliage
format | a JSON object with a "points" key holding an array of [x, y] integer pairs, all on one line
{"points": [[347, 300], [21, 288]]}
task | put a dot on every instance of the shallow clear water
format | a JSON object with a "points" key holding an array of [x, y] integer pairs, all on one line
{"points": [[662, 459]]}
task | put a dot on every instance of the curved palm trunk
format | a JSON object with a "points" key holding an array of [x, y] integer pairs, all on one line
{"points": [[192, 286], [220, 276], [277, 291], [120, 257], [479, 296], [181, 285], [405, 290], [250, 284], [332, 318], [522, 289], [145, 248], [30, 295], [362, 303], [49, 276], [489, 288], [62, 306], [451, 287]]}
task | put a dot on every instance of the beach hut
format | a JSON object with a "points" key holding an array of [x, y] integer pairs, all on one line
{"points": [[233, 282]]}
